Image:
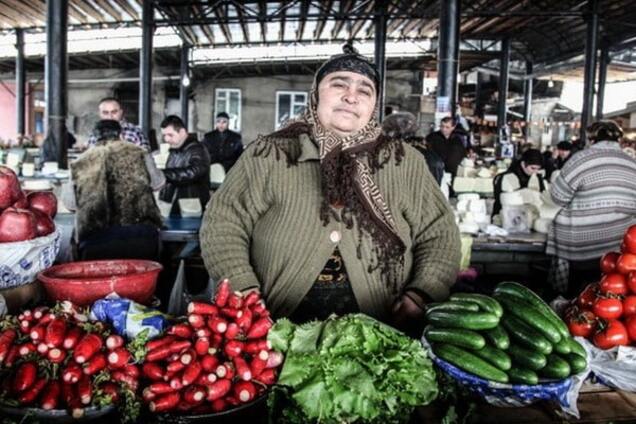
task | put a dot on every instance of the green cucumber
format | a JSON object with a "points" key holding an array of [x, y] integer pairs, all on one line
{"points": [[556, 367], [526, 336], [575, 347], [496, 357], [455, 336], [577, 363], [469, 362], [468, 320], [563, 347], [530, 315], [498, 337], [522, 292], [454, 307], [486, 303], [527, 358], [519, 375]]}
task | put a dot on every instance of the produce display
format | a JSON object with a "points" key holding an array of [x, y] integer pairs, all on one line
{"points": [[349, 369], [216, 360], [511, 337], [55, 359], [24, 217], [605, 312]]}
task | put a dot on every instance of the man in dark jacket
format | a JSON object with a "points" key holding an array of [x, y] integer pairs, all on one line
{"points": [[448, 145], [188, 167], [223, 144]]}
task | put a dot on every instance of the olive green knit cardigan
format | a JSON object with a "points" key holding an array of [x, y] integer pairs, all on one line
{"points": [[262, 228]]}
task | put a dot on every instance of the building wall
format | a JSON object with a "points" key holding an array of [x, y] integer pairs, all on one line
{"points": [[8, 115]]}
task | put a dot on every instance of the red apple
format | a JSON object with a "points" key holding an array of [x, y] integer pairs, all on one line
{"points": [[43, 201], [17, 225], [44, 225], [630, 240], [21, 202], [9, 187]]}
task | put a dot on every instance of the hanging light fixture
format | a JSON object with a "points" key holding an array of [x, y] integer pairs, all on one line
{"points": [[550, 83]]}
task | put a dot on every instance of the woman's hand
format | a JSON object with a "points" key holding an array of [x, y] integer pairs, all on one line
{"points": [[408, 313]]}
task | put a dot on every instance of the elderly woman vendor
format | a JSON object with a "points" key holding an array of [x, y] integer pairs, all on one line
{"points": [[330, 215]]}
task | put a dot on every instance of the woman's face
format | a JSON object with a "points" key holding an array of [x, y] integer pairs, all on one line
{"points": [[530, 169], [346, 102]]}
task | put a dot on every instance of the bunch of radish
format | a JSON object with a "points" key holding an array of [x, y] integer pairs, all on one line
{"points": [[218, 359], [56, 359]]}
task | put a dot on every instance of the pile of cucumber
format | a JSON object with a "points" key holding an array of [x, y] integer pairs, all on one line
{"points": [[511, 337]]}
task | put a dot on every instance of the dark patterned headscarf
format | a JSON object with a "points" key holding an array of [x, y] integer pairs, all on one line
{"points": [[349, 60]]}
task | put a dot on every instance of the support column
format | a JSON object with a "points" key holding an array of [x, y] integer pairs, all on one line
{"points": [[478, 88], [502, 109], [447, 58], [379, 52], [527, 99], [145, 68], [602, 78], [56, 79], [590, 67], [184, 86], [20, 78]]}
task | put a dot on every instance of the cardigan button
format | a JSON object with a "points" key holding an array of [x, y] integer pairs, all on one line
{"points": [[335, 236]]}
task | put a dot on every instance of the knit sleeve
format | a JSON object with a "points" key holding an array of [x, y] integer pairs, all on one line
{"points": [[436, 243], [564, 187], [229, 220]]}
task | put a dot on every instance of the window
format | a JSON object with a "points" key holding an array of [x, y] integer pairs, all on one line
{"points": [[228, 100], [289, 104]]}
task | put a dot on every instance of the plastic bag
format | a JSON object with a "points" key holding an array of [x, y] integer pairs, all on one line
{"points": [[129, 318], [614, 367], [21, 261]]}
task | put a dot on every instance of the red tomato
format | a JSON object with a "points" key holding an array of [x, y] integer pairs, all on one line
{"points": [[608, 262], [614, 334], [582, 324], [630, 240], [613, 283], [630, 324], [629, 305], [631, 281], [626, 263], [608, 308], [587, 297]]}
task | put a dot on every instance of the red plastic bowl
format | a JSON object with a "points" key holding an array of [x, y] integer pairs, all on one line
{"points": [[85, 282]]}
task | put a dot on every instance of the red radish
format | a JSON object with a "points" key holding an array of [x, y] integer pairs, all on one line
{"points": [[219, 405], [233, 331], [160, 388], [162, 352], [194, 394], [254, 347], [46, 318], [174, 357], [180, 330], [245, 391], [260, 309], [72, 372], [38, 332], [275, 359], [84, 389], [242, 370], [25, 326], [175, 366], [118, 358], [259, 328], [217, 325], [111, 389], [29, 395], [251, 298], [222, 293], [196, 320], [191, 373], [232, 313], [204, 332], [132, 370], [114, 341], [43, 348], [188, 356], [51, 395], [202, 345], [153, 371], [55, 332], [165, 403], [72, 337], [245, 320], [162, 341], [95, 364], [235, 300], [27, 314], [205, 379], [56, 355], [258, 364], [180, 346], [202, 308], [218, 389], [209, 363], [147, 395], [267, 377], [25, 376], [216, 341], [225, 370], [87, 347], [175, 382], [13, 354], [233, 348], [27, 348], [128, 380], [39, 312], [232, 400]]}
